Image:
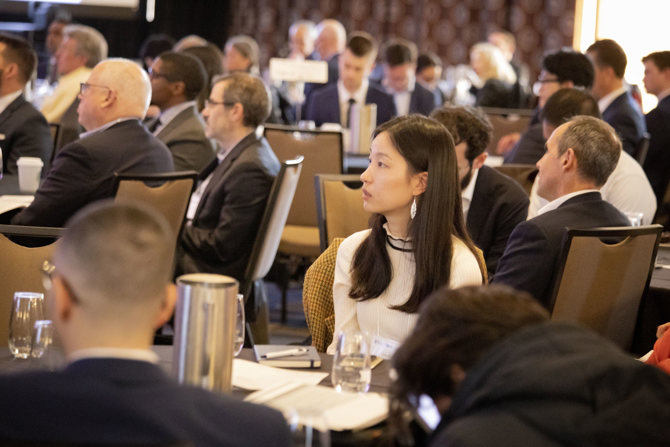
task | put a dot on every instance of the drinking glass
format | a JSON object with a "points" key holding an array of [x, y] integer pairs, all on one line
{"points": [[27, 308], [239, 325], [42, 337], [635, 218], [308, 427], [351, 363]]}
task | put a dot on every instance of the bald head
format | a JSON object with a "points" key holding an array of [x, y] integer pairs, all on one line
{"points": [[119, 88]]}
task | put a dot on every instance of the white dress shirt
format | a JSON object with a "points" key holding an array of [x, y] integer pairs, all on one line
{"points": [[344, 95]]}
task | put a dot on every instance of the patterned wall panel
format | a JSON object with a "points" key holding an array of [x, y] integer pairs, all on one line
{"points": [[447, 27]]}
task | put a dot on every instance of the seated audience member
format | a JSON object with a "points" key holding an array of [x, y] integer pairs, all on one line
{"points": [[627, 188], [495, 77], [560, 69], [399, 65], [301, 36], [176, 81], [657, 82], [506, 42], [112, 103], [110, 286], [500, 373], [81, 50], [332, 103], [660, 356], [212, 59], [23, 130], [226, 208], [418, 241], [153, 46], [493, 203], [581, 154], [617, 105], [331, 39], [429, 73], [192, 40], [53, 41]]}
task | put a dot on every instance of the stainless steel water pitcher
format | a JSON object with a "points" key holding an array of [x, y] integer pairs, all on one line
{"points": [[205, 330]]}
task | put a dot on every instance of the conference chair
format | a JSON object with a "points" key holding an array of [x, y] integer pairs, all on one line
{"points": [[317, 297], [265, 249], [339, 202], [322, 152], [20, 266], [603, 275], [524, 174], [169, 193], [506, 121]]}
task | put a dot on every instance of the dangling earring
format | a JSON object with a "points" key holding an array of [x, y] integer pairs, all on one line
{"points": [[412, 210]]}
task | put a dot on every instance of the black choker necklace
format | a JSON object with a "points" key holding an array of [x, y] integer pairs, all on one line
{"points": [[389, 240]]}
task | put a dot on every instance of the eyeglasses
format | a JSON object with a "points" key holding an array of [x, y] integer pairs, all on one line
{"points": [[48, 271], [538, 84], [153, 74], [85, 86], [211, 103]]}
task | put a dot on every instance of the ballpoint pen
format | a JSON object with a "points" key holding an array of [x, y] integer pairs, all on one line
{"points": [[285, 353]]}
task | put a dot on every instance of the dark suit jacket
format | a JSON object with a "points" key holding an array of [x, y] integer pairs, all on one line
{"points": [[498, 205], [83, 171], [118, 401], [422, 100], [625, 116], [495, 93], [530, 259], [23, 133], [185, 137], [222, 233], [657, 164], [323, 105], [530, 147]]}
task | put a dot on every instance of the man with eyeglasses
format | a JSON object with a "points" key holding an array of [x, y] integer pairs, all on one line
{"points": [[109, 288], [112, 103], [565, 68], [226, 209], [176, 81]]}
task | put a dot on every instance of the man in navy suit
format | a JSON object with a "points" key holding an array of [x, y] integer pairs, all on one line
{"points": [[112, 103], [657, 82], [581, 154], [493, 203], [23, 130], [616, 104], [332, 103], [399, 67], [109, 289]]}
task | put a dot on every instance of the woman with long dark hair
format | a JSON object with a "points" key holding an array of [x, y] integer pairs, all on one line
{"points": [[418, 241]]}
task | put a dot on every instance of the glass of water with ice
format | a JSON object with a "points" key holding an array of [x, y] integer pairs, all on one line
{"points": [[351, 363]]}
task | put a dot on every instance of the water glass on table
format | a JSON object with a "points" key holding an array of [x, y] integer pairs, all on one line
{"points": [[27, 308], [239, 326], [308, 427], [351, 363], [42, 337]]}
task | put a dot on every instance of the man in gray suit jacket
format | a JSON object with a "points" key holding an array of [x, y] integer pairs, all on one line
{"points": [[176, 81], [23, 130]]}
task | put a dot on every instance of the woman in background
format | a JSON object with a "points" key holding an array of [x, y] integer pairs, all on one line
{"points": [[496, 77]]}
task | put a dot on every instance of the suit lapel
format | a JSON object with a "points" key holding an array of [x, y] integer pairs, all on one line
{"points": [[479, 206], [176, 122]]}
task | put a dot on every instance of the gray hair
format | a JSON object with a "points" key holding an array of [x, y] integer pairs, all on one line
{"points": [[595, 144], [251, 92], [90, 43], [248, 48]]}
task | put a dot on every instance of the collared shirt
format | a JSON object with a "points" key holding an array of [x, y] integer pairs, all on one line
{"points": [[402, 99], [145, 355], [107, 126], [168, 115], [64, 94], [8, 99], [606, 100], [468, 192], [561, 200], [661, 96], [344, 95]]}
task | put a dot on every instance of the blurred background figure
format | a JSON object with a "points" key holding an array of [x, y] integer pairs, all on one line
{"points": [[506, 42], [241, 53], [494, 84], [429, 74], [192, 40], [301, 36], [154, 45], [212, 59]]}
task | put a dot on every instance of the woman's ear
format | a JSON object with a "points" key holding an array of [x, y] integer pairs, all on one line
{"points": [[421, 181]]}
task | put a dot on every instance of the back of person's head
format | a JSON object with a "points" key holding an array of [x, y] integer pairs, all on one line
{"points": [[18, 51], [248, 48], [490, 63], [154, 45], [570, 65], [608, 53], [398, 51], [596, 146], [131, 83], [192, 40], [251, 92], [466, 124], [362, 44], [659, 58], [90, 43], [456, 327], [426, 60], [182, 67], [566, 103], [117, 261], [211, 58]]}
